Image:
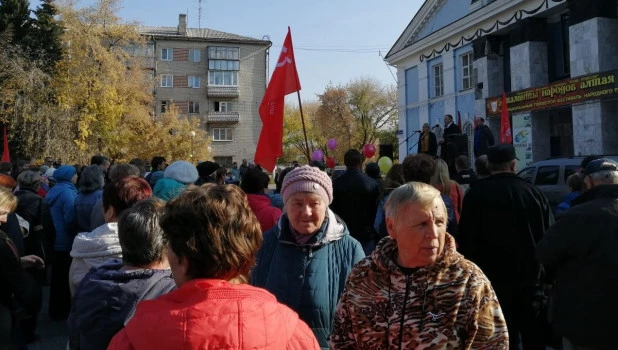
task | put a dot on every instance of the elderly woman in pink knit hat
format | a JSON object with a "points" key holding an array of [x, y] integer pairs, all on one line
{"points": [[305, 259]]}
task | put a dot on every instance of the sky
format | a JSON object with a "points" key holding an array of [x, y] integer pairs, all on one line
{"points": [[335, 41]]}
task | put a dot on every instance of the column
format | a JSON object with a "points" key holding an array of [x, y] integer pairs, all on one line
{"points": [[528, 57], [593, 27]]}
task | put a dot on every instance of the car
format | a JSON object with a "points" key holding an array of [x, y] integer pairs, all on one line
{"points": [[338, 171], [550, 176]]}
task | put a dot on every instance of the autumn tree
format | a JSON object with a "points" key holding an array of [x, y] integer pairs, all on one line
{"points": [[360, 112], [294, 139]]}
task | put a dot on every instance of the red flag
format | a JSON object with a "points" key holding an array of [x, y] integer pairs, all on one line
{"points": [[505, 124], [459, 121], [283, 81], [6, 157]]}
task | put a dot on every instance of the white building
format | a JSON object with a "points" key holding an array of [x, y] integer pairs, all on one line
{"points": [[556, 60]]}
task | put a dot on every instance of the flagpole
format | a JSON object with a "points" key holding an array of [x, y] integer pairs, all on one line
{"points": [[302, 119]]}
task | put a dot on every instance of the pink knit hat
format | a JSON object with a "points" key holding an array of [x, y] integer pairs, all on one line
{"points": [[307, 179]]}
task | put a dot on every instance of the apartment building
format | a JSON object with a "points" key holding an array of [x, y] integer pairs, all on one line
{"points": [[217, 77]]}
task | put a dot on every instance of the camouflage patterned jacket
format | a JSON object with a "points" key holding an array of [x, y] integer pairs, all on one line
{"points": [[448, 305]]}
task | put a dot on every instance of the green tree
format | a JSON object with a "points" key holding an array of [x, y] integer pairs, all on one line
{"points": [[15, 19], [45, 35]]}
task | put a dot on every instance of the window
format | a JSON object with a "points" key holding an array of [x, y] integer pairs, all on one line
{"points": [[167, 54], [194, 107], [570, 170], [224, 161], [222, 134], [167, 80], [194, 55], [547, 175], [527, 174], [223, 65], [223, 106], [438, 80], [223, 78], [466, 70], [165, 105], [194, 81]]}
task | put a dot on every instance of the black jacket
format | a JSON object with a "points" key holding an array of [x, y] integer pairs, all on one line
{"points": [[483, 138], [452, 129], [580, 251], [355, 200], [106, 299], [502, 219], [33, 209], [433, 144]]}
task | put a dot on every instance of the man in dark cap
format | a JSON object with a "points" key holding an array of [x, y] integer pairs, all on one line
{"points": [[502, 219], [206, 172], [580, 252]]}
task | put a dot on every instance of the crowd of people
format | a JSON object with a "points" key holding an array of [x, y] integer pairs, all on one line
{"points": [[205, 257]]}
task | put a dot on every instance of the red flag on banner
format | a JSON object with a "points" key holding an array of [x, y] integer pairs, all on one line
{"points": [[283, 81], [505, 124], [6, 157], [459, 121]]}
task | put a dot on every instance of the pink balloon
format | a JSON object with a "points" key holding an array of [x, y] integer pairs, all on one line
{"points": [[331, 144], [369, 150], [317, 155]]}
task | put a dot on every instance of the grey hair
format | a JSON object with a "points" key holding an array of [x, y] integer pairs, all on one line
{"points": [[426, 125], [120, 171], [605, 177], [29, 179], [411, 192], [91, 179], [141, 237]]}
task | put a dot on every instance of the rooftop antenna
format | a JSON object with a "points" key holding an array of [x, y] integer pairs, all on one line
{"points": [[199, 14]]}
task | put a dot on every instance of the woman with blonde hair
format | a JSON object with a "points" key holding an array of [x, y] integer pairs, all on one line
{"points": [[20, 296], [442, 181]]}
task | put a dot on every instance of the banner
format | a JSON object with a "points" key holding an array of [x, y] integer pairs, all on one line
{"points": [[561, 93], [522, 140], [506, 135]]}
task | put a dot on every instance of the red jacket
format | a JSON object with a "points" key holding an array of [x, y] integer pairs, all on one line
{"points": [[214, 314], [266, 214]]}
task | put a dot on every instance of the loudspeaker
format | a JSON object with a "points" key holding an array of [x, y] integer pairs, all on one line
{"points": [[386, 151], [457, 145]]}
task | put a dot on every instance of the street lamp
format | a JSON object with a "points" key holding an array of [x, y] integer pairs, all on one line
{"points": [[192, 138]]}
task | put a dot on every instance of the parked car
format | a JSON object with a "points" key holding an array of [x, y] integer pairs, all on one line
{"points": [[550, 176], [337, 171]]}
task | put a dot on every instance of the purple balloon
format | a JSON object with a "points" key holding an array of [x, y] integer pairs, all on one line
{"points": [[317, 155], [331, 144]]}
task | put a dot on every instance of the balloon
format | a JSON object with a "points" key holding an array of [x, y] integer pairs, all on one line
{"points": [[385, 164], [369, 150], [317, 155], [330, 162], [331, 144]]}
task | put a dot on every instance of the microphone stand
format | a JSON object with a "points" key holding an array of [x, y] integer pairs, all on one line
{"points": [[407, 138]]}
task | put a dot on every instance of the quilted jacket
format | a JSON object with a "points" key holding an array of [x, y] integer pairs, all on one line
{"points": [[214, 314], [308, 278]]}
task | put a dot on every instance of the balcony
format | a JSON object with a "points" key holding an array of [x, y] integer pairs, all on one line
{"points": [[223, 117], [222, 91]]}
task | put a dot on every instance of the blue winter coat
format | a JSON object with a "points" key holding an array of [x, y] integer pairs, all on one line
{"points": [[308, 278], [83, 209], [61, 200], [106, 299]]}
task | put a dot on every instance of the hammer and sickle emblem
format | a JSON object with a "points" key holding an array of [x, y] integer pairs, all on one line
{"points": [[283, 59]]}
